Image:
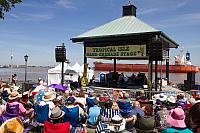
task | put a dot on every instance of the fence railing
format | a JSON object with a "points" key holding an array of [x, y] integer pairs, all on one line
{"points": [[134, 93]]}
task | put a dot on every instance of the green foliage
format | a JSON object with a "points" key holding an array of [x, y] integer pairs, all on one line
{"points": [[6, 5]]}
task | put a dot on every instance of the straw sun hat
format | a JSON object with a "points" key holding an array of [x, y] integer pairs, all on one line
{"points": [[49, 96], [56, 113], [14, 95]]}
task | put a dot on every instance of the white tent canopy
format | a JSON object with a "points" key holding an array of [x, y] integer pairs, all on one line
{"points": [[54, 74]]}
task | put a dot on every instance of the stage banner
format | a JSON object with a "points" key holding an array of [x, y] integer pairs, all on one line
{"points": [[116, 51]]}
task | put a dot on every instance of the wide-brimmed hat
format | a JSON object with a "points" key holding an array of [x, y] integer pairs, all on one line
{"points": [[171, 99], [162, 97], [56, 113], [117, 121], [14, 95], [176, 118], [49, 96]]}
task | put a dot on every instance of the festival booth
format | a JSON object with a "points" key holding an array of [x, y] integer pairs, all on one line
{"points": [[70, 73]]}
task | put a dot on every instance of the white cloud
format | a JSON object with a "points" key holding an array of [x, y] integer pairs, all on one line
{"points": [[39, 17], [182, 3], [65, 3], [181, 20], [32, 16], [148, 11], [14, 15]]}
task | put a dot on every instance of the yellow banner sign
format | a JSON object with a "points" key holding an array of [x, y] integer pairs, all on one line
{"points": [[116, 51]]}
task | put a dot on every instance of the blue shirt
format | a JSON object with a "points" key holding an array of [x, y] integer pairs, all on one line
{"points": [[94, 112], [176, 130]]}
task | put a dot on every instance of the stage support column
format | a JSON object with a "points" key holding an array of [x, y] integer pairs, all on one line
{"points": [[84, 80], [150, 70], [115, 65], [167, 67], [156, 75], [85, 58]]}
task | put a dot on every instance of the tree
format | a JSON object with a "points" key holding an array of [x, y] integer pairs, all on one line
{"points": [[6, 5]]}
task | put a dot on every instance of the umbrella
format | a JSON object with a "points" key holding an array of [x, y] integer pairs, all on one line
{"points": [[59, 87]]}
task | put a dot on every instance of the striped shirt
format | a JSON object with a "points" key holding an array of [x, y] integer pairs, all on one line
{"points": [[107, 114]]}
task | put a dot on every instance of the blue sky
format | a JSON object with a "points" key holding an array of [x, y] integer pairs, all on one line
{"points": [[36, 27]]}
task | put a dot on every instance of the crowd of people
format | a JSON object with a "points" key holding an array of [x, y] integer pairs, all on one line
{"points": [[48, 110], [121, 80]]}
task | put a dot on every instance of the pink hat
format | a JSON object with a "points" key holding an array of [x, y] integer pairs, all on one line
{"points": [[176, 118]]}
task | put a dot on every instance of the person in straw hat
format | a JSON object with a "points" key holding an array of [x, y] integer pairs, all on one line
{"points": [[48, 98], [56, 115], [13, 101]]}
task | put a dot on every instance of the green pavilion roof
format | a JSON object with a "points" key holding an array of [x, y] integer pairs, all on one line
{"points": [[120, 26], [124, 26]]}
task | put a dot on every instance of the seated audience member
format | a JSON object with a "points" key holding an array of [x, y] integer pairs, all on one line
{"points": [[161, 118], [14, 108], [117, 124], [93, 114], [58, 101], [136, 107], [181, 101], [90, 100], [47, 99], [127, 112], [104, 97], [125, 105], [106, 114], [176, 119], [148, 110], [56, 115], [13, 125], [13, 101], [142, 98], [73, 113], [194, 117], [171, 103], [81, 98], [145, 125], [55, 123]]}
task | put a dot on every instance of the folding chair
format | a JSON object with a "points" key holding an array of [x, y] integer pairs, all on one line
{"points": [[56, 128]]}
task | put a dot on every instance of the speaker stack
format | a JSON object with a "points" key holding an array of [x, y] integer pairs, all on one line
{"points": [[60, 53]]}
